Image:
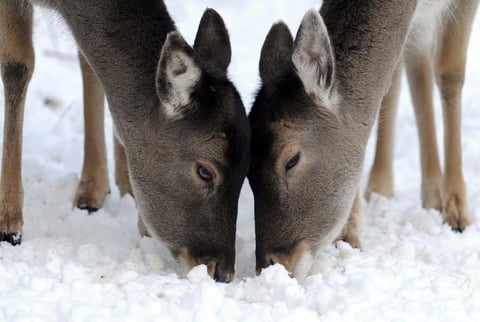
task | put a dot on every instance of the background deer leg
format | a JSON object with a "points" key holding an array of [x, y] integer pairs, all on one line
{"points": [[352, 233], [450, 74], [420, 78], [381, 174], [123, 181], [17, 63], [121, 168], [94, 184]]}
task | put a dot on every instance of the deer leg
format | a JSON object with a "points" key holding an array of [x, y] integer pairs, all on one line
{"points": [[17, 63], [420, 78], [94, 184], [352, 232], [450, 74], [381, 174], [123, 181], [121, 168]]}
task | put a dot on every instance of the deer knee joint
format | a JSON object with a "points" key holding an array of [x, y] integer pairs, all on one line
{"points": [[450, 84], [15, 78]]}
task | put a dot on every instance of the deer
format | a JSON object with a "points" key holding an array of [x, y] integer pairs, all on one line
{"points": [[436, 52], [180, 122], [319, 97]]}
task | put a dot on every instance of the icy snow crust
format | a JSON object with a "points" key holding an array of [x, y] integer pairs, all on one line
{"points": [[75, 267]]}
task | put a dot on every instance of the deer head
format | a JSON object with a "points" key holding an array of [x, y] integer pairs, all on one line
{"points": [[310, 122], [189, 163]]}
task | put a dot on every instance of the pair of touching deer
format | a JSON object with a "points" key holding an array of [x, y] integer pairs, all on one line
{"points": [[184, 144]]}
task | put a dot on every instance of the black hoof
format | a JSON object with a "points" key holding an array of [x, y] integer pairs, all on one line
{"points": [[458, 229], [12, 238], [88, 208]]}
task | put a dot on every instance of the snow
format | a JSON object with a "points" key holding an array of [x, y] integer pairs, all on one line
{"points": [[76, 267]]}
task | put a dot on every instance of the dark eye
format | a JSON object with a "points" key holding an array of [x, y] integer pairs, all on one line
{"points": [[204, 173], [292, 162]]}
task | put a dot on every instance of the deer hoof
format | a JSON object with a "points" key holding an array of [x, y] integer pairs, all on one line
{"points": [[456, 213], [88, 208], [12, 238], [91, 194]]}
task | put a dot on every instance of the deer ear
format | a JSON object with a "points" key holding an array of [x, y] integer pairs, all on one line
{"points": [[276, 52], [177, 74], [212, 43], [313, 56]]}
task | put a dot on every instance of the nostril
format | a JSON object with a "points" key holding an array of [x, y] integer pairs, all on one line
{"points": [[220, 276], [218, 273], [270, 259]]}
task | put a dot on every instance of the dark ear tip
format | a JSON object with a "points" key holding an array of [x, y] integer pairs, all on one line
{"points": [[173, 37], [174, 40], [280, 25], [212, 42], [276, 52], [279, 28], [212, 15]]}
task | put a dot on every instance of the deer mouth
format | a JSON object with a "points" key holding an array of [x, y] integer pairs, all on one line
{"points": [[298, 261], [217, 266]]}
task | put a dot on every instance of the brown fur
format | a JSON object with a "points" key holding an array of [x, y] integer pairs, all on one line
{"points": [[167, 99], [305, 177], [17, 62], [352, 231], [444, 62], [93, 185], [121, 168]]}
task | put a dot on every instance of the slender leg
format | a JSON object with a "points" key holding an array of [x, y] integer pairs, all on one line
{"points": [[17, 63], [450, 74], [420, 78], [381, 174], [121, 168], [123, 180], [94, 184], [352, 233]]}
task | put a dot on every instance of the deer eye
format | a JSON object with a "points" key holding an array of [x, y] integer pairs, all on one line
{"points": [[292, 162], [204, 174]]}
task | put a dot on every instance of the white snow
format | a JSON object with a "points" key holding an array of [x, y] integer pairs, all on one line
{"points": [[75, 267]]}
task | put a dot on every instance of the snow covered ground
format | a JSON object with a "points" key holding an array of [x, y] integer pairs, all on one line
{"points": [[75, 267]]}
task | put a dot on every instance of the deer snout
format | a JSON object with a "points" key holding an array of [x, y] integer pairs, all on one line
{"points": [[218, 268], [297, 261], [219, 273]]}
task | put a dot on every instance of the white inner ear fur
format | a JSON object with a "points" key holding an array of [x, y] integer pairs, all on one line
{"points": [[183, 74], [311, 56]]}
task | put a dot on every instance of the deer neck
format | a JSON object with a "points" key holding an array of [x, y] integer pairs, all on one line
{"points": [[368, 42], [122, 41]]}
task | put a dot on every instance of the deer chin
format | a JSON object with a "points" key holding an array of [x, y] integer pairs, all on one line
{"points": [[215, 268], [297, 262], [304, 265]]}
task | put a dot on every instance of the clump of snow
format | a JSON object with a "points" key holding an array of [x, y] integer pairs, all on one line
{"points": [[198, 274], [76, 267]]}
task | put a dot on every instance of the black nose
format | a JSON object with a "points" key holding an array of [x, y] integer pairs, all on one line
{"points": [[220, 276]]}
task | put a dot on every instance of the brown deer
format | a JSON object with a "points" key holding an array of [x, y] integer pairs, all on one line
{"points": [[436, 50], [181, 121], [311, 121]]}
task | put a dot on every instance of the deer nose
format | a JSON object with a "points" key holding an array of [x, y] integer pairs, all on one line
{"points": [[282, 259], [296, 260], [221, 276], [218, 273]]}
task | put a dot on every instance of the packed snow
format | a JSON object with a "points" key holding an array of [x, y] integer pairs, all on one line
{"points": [[76, 267]]}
